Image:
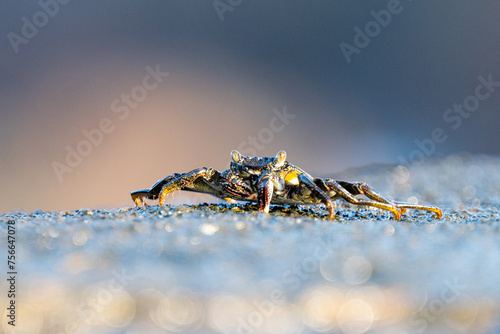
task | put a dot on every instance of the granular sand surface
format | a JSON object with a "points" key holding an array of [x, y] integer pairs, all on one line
{"points": [[225, 268]]}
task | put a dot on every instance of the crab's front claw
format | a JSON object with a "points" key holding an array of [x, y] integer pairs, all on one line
{"points": [[167, 189], [138, 196], [186, 181], [265, 194]]}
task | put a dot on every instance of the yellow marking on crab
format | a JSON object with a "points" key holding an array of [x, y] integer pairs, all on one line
{"points": [[230, 200], [291, 178]]}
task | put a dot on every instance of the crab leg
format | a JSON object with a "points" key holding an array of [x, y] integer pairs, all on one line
{"points": [[365, 189], [437, 211], [309, 183], [345, 194], [187, 181]]}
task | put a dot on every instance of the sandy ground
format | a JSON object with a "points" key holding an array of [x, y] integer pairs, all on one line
{"points": [[221, 268]]}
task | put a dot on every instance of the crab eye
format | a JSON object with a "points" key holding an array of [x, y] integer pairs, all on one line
{"points": [[280, 158], [236, 156]]}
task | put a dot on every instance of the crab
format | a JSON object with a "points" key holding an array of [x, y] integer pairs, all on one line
{"points": [[272, 180]]}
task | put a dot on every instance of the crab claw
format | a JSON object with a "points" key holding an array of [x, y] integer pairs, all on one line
{"points": [[265, 193], [139, 196]]}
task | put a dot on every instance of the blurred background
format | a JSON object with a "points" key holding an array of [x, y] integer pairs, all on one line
{"points": [[88, 112]]}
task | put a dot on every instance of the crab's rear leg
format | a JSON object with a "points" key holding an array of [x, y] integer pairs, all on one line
{"points": [[365, 189], [348, 195]]}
